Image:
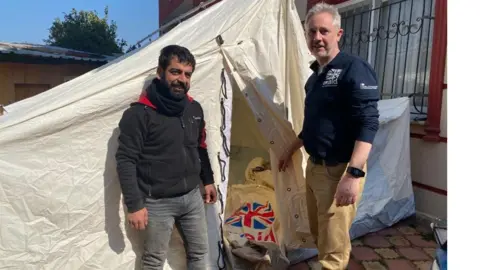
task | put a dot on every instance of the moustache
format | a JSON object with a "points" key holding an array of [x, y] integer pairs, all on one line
{"points": [[179, 85]]}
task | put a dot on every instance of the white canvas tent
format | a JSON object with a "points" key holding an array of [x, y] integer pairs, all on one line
{"points": [[60, 201]]}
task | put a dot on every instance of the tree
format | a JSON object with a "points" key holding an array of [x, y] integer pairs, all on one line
{"points": [[85, 31]]}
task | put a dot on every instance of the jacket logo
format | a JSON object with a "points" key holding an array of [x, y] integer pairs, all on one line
{"points": [[368, 87], [197, 118], [331, 78]]}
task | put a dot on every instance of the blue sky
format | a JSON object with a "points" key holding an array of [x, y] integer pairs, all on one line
{"points": [[29, 20]]}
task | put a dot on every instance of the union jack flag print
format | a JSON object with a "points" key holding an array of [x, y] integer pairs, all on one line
{"points": [[252, 215]]}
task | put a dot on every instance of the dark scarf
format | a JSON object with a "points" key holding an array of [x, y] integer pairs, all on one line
{"points": [[160, 94]]}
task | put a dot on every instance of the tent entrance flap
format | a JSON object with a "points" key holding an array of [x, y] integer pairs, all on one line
{"points": [[256, 210]]}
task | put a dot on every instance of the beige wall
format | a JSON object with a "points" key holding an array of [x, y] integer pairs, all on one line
{"points": [[37, 74], [429, 167]]}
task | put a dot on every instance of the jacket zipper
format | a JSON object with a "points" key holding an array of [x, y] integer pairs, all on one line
{"points": [[149, 190], [184, 152], [149, 169]]}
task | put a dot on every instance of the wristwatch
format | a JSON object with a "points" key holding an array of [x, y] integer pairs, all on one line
{"points": [[355, 172]]}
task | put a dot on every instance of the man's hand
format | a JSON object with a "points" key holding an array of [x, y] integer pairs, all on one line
{"points": [[210, 194], [284, 161], [138, 220], [286, 157], [347, 190]]}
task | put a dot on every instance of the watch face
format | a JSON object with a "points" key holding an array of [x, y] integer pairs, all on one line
{"points": [[355, 172]]}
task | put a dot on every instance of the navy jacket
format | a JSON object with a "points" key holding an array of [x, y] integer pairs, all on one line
{"points": [[340, 108]]}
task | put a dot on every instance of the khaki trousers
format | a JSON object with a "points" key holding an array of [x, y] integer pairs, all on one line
{"points": [[329, 224]]}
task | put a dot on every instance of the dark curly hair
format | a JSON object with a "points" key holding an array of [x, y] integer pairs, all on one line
{"points": [[183, 55]]}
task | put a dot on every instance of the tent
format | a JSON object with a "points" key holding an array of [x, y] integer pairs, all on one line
{"points": [[60, 200]]}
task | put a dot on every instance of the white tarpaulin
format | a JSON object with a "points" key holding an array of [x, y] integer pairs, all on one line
{"points": [[388, 193], [60, 200]]}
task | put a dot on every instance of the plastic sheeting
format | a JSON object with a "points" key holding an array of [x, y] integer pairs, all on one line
{"points": [[388, 193]]}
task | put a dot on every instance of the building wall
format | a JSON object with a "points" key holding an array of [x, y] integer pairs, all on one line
{"points": [[18, 80], [429, 167], [171, 9]]}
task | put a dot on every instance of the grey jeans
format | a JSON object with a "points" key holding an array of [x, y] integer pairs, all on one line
{"points": [[187, 212]]}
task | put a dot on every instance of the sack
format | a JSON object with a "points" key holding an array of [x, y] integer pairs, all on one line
{"points": [[250, 214]]}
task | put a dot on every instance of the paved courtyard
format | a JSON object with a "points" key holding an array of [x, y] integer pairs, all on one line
{"points": [[403, 246]]}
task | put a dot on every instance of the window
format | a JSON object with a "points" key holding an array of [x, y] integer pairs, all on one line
{"points": [[395, 37]]}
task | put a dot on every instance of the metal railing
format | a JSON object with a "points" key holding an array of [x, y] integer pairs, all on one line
{"points": [[395, 37], [171, 24]]}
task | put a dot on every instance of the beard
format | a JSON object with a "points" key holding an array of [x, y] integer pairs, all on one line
{"points": [[165, 99], [319, 50], [178, 89]]}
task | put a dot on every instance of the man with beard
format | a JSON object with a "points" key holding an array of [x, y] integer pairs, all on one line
{"points": [[162, 159], [340, 123]]}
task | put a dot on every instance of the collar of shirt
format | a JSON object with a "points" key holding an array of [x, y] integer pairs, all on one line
{"points": [[315, 66]]}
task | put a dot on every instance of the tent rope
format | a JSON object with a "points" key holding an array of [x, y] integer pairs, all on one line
{"points": [[221, 245], [223, 164], [222, 108], [220, 198], [221, 248]]}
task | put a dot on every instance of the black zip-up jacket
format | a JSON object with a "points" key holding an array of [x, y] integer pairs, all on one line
{"points": [[161, 156]]}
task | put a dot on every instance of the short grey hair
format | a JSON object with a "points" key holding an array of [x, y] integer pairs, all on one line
{"points": [[324, 7]]}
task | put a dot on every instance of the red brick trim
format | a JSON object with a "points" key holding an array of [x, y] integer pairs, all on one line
{"points": [[430, 188], [437, 72], [422, 136]]}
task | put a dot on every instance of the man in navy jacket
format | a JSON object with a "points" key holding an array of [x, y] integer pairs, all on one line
{"points": [[340, 124]]}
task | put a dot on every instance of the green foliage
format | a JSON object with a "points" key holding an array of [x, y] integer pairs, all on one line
{"points": [[85, 31]]}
